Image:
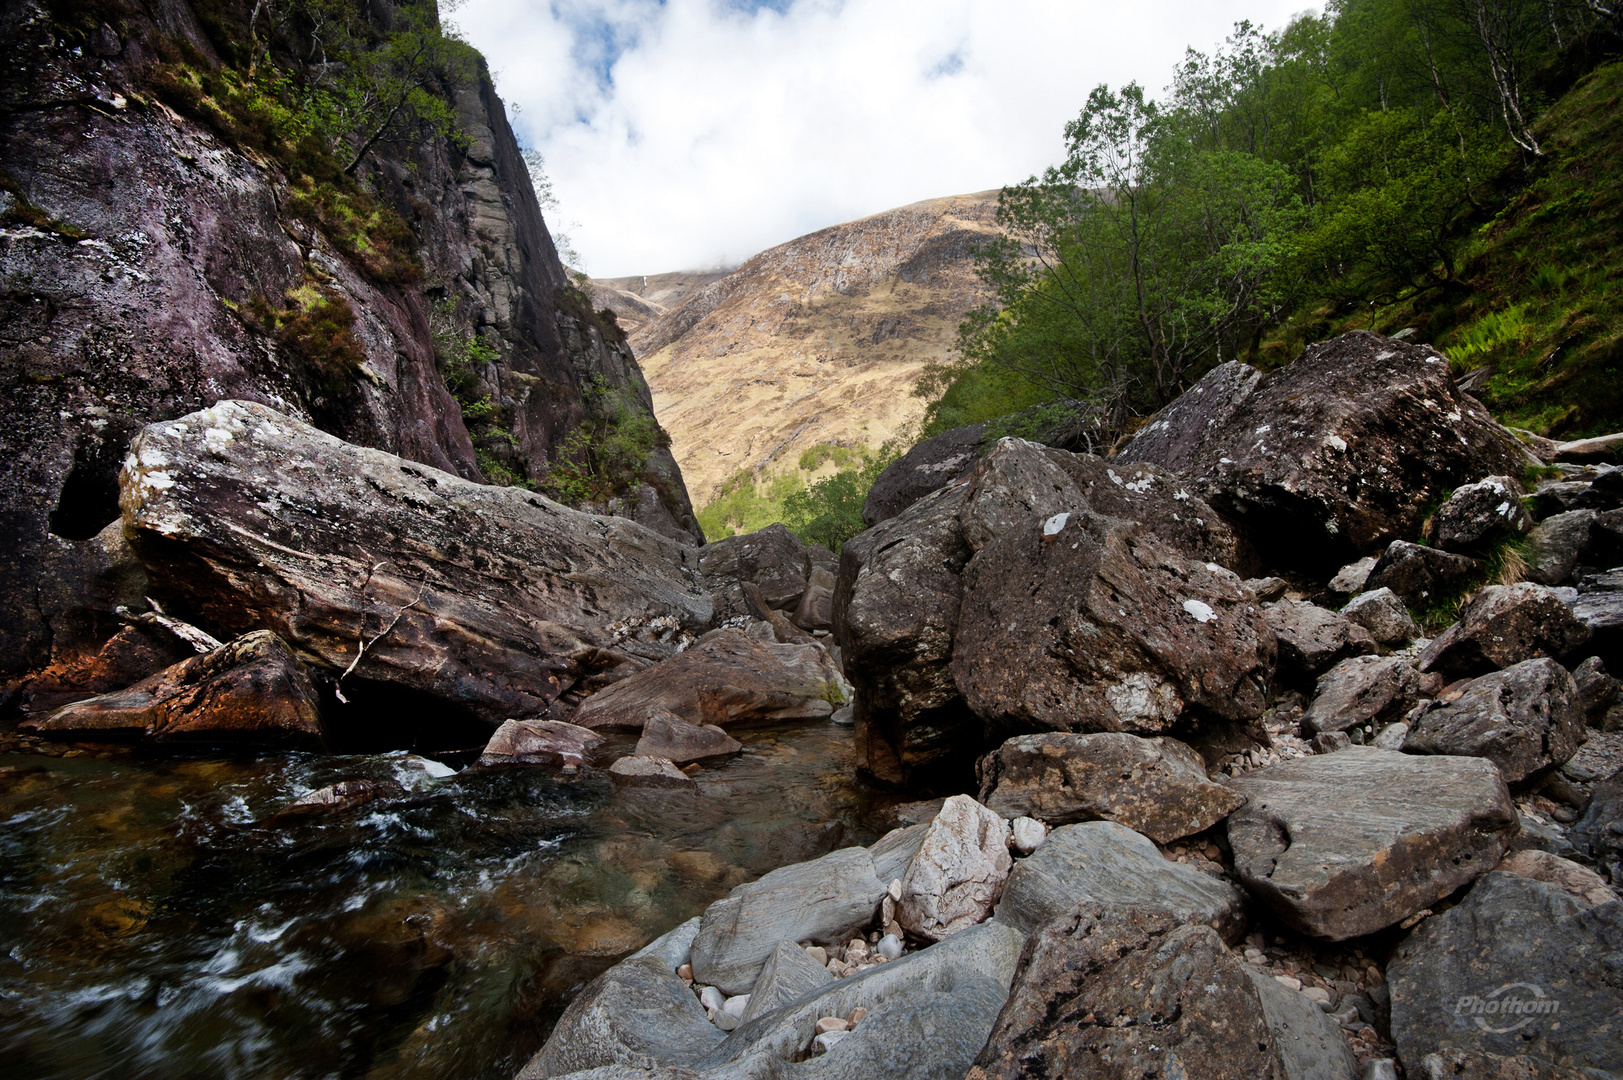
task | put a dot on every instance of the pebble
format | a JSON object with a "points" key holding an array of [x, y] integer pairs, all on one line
{"points": [[735, 1006], [895, 889], [711, 998], [890, 947], [856, 952], [825, 1042], [832, 1023], [1288, 982], [685, 972], [726, 1021], [819, 954], [857, 1015], [1317, 994], [1028, 835]]}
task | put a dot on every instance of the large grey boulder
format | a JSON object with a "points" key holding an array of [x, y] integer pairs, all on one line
{"points": [[1555, 545], [1423, 577], [772, 559], [1113, 866], [728, 678], [1334, 455], [1085, 622], [1384, 615], [825, 901], [929, 466], [1598, 834], [1599, 607], [1477, 516], [1504, 625], [1363, 690], [637, 1014], [1345, 844], [1130, 993], [1525, 718], [251, 691], [1157, 787], [788, 974], [492, 600], [1313, 640], [1517, 968], [958, 872]]}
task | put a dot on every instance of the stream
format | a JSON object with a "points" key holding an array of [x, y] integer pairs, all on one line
{"points": [[166, 916]]}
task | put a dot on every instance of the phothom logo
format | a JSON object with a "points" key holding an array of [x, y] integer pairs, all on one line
{"points": [[1511, 1006]]}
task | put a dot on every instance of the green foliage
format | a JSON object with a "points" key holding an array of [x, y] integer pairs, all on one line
{"points": [[1486, 334], [815, 458], [827, 511], [316, 325], [607, 454], [745, 506]]}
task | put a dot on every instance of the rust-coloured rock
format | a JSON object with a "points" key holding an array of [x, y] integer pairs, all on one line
{"points": [[539, 742], [251, 690], [668, 736]]}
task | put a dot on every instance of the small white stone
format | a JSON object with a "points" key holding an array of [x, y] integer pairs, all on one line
{"points": [[735, 1006], [895, 889], [1289, 982], [711, 998], [1029, 833], [825, 1042], [890, 947]]}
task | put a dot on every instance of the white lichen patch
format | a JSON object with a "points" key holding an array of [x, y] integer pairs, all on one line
{"points": [[1200, 611], [1055, 524], [217, 441], [1336, 442], [1142, 697], [1114, 479]]}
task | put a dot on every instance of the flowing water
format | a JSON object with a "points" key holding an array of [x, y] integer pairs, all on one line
{"points": [[168, 917]]}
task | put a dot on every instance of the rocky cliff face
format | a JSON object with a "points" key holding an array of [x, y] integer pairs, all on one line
{"points": [[141, 249], [819, 340]]}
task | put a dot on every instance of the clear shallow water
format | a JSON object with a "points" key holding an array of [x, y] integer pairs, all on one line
{"points": [[153, 922]]}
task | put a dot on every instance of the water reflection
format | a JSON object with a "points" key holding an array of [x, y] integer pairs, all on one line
{"points": [[164, 916]]}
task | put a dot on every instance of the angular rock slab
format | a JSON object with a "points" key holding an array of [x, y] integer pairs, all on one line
{"points": [[1130, 993], [640, 771], [824, 901], [1504, 625], [1599, 833], [252, 690], [1422, 576], [1363, 690], [1089, 623], [772, 559], [929, 466], [1525, 718], [1313, 640], [1517, 968], [958, 873], [539, 742], [1477, 515], [1345, 844], [495, 600], [1114, 866], [727, 678], [1157, 787], [789, 975], [1384, 615], [668, 736], [1335, 454]]}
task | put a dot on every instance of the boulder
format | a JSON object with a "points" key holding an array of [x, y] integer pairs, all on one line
{"points": [[636, 1014], [1157, 787], [650, 772], [1504, 625], [1518, 967], [668, 736], [1565, 874], [958, 874], [252, 690], [931, 465], [1132, 993], [1313, 640], [1555, 544], [1089, 623], [1605, 547], [1600, 448], [1422, 576], [1269, 589], [1364, 690], [1345, 844], [492, 600], [816, 608], [728, 678], [1383, 613], [789, 974], [539, 742], [773, 559], [893, 853], [1598, 834], [1477, 516], [823, 901], [1353, 577], [1454, 1064], [1115, 867], [1599, 607], [1334, 455], [1525, 718]]}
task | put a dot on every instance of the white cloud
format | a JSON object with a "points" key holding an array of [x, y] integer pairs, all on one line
{"points": [[694, 132]]}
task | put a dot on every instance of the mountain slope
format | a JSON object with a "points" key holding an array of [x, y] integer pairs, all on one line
{"points": [[812, 342]]}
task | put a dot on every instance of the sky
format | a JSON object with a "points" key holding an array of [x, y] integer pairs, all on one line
{"points": [[689, 134]]}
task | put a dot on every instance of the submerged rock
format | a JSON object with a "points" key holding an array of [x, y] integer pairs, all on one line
{"points": [[1345, 844], [1154, 786], [640, 771], [727, 678], [252, 690]]}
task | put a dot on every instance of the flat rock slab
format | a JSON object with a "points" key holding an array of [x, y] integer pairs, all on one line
{"points": [[1312, 640], [823, 901], [1363, 690], [252, 690], [957, 874], [668, 736], [493, 599], [1335, 454], [1345, 844], [1608, 448], [539, 742], [1130, 993], [1115, 867], [1517, 968], [640, 771], [1504, 625], [727, 678], [1525, 718], [1157, 787]]}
